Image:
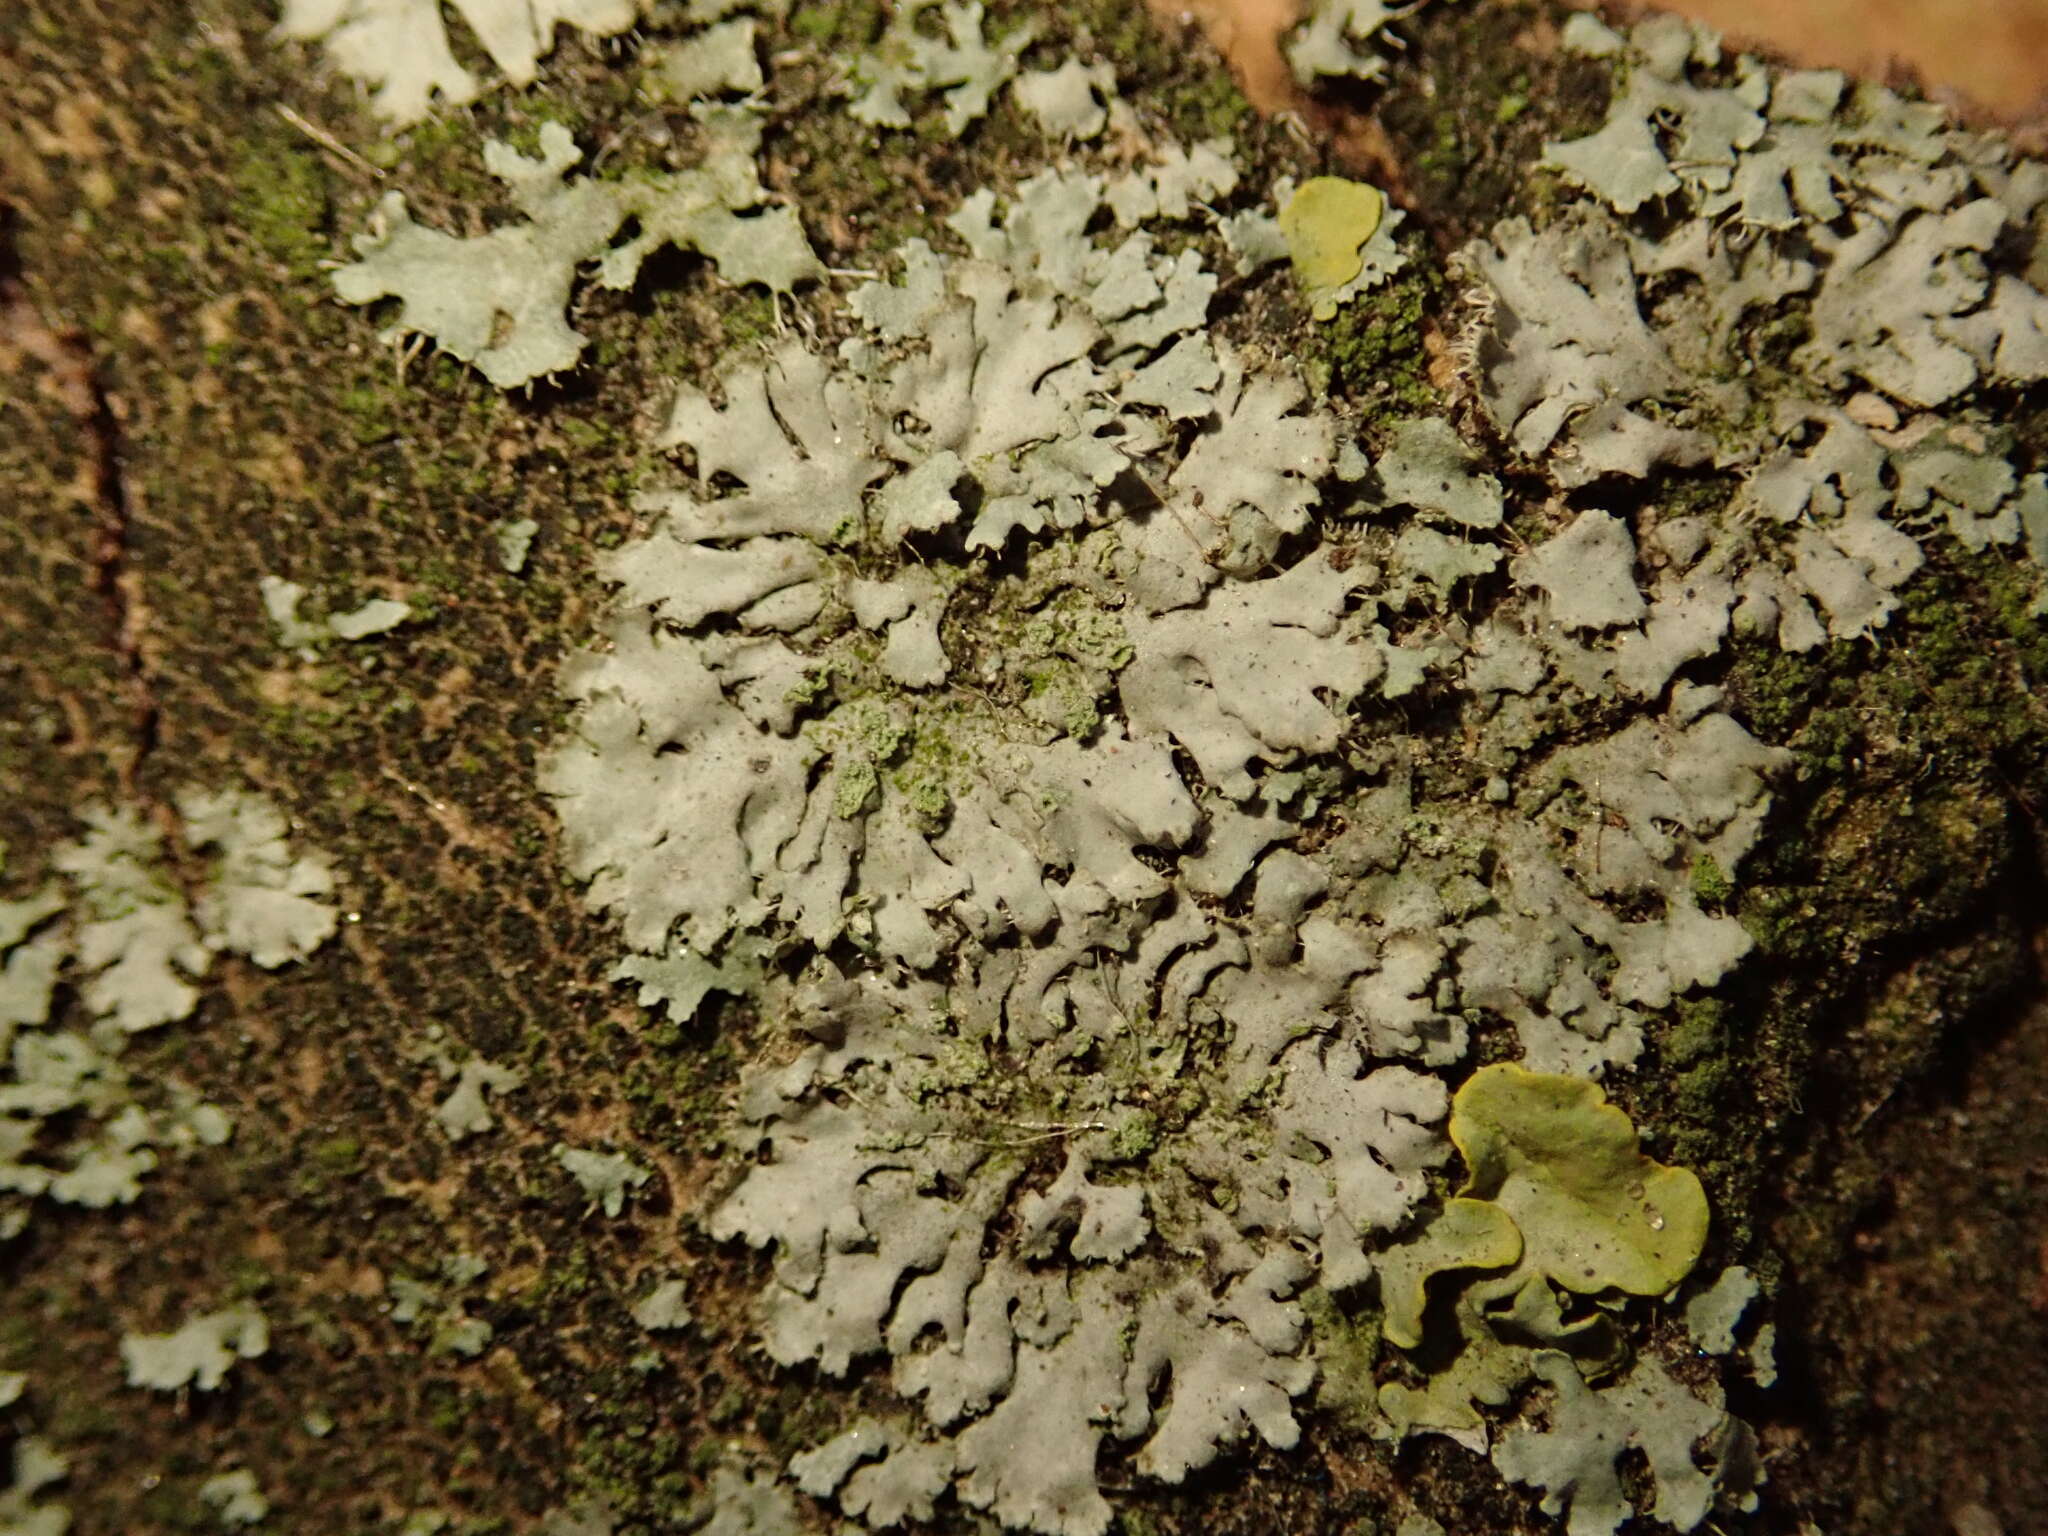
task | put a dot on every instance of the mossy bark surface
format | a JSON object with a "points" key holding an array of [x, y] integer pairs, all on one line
{"points": [[185, 409]]}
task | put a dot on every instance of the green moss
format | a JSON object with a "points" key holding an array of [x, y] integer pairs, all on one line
{"points": [[73, 1420], [1468, 107], [1974, 650], [568, 1278], [338, 1156], [1135, 1137], [1347, 1350], [1373, 350], [1709, 883], [281, 199], [523, 133], [1696, 493], [584, 434], [750, 318], [1208, 107], [210, 70], [824, 24], [629, 1464], [371, 411], [729, 1409], [1702, 1092], [176, 1506], [1700, 1033], [445, 153], [1779, 695], [18, 1335], [249, 1280]]}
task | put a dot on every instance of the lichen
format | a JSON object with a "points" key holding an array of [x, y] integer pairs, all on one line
{"points": [[199, 1353], [402, 47], [1110, 794], [1031, 886], [1593, 1212], [116, 949], [498, 299]]}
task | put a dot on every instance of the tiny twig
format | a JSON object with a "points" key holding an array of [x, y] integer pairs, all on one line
{"points": [[1208, 555], [1871, 1113], [330, 143], [1046, 1130], [404, 349], [1599, 826]]}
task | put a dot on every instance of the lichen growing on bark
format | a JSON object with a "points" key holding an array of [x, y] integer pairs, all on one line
{"points": [[985, 860], [1339, 753]]}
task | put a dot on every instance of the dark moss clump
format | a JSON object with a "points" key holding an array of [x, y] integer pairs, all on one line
{"points": [[1917, 770], [849, 24], [1374, 350], [1884, 897], [631, 1462], [1469, 105], [1698, 1050], [281, 198], [1347, 1345], [1171, 73]]}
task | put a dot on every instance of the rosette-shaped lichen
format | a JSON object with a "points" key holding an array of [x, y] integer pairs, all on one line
{"points": [[997, 704]]}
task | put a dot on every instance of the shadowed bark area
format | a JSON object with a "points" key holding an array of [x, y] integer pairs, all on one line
{"points": [[184, 410]]}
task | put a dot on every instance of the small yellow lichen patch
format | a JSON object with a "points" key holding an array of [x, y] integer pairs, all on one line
{"points": [[1326, 224], [1594, 1212], [1465, 1234]]}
